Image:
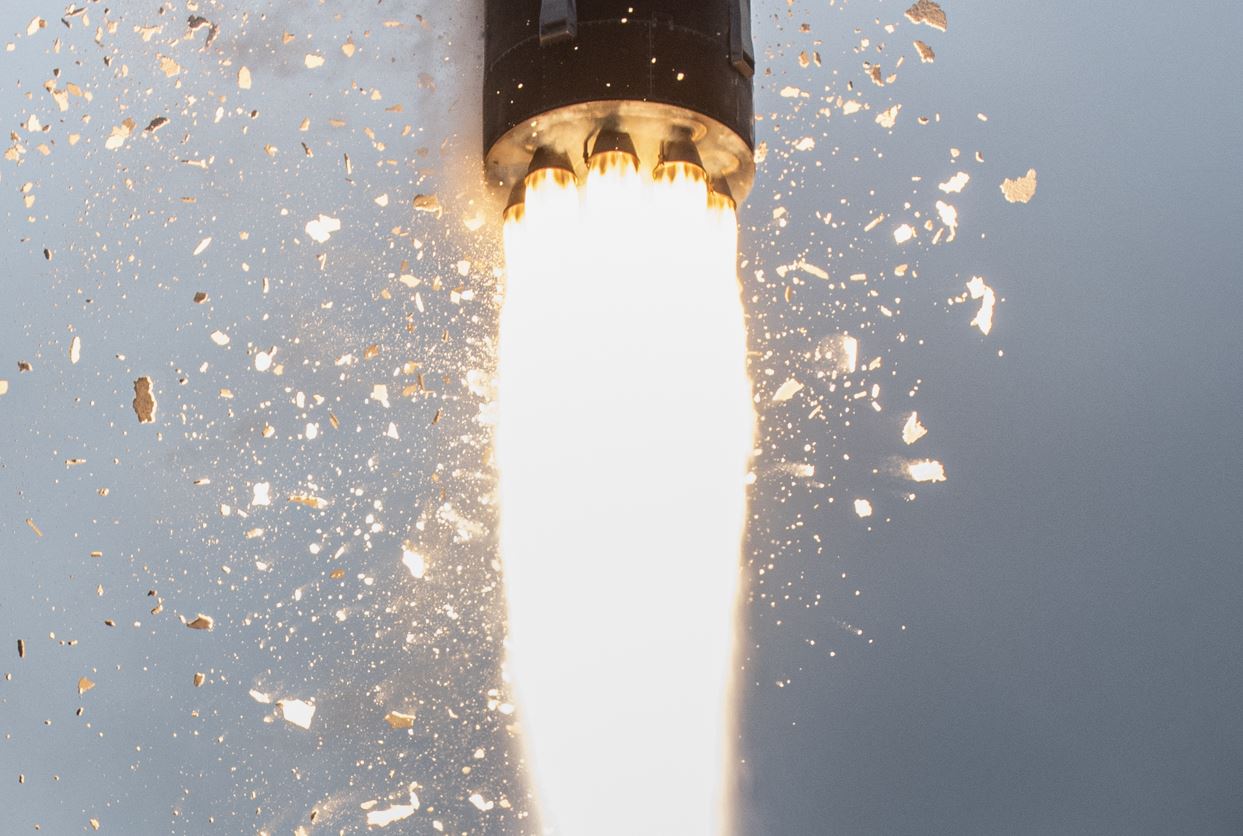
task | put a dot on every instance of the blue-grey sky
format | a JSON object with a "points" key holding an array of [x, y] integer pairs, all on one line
{"points": [[1045, 644]]}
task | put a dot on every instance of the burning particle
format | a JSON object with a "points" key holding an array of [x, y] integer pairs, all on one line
{"points": [[414, 561], [298, 712], [243, 78], [397, 720], [321, 228], [787, 390], [318, 503], [201, 622], [929, 13], [202, 246], [84, 685], [30, 522], [1021, 189], [984, 317], [913, 431], [955, 184], [888, 118], [904, 233], [926, 55], [262, 494], [863, 508], [314, 60], [926, 471]]}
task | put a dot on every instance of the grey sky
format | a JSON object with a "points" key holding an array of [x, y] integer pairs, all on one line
{"points": [[1050, 639]]}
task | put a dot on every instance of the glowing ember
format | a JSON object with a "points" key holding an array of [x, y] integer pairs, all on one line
{"points": [[632, 359]]}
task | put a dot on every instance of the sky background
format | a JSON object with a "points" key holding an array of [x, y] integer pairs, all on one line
{"points": [[1049, 640]]}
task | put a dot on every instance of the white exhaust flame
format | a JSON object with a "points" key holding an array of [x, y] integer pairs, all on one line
{"points": [[624, 432]]}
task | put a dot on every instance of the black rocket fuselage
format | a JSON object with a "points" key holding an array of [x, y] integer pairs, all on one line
{"points": [[558, 71]]}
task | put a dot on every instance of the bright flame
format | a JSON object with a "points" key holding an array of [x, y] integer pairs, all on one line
{"points": [[625, 428]]}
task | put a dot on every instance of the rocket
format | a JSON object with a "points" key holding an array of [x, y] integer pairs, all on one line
{"points": [[661, 80]]}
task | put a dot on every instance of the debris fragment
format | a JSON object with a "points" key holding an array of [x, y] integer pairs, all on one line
{"points": [[863, 508], [199, 679], [955, 184], [75, 350], [297, 712], [913, 430], [144, 400], [787, 390], [84, 685], [243, 78], [1021, 189], [984, 317], [414, 562], [928, 13], [428, 203], [926, 471], [398, 720], [201, 622], [926, 55], [321, 228]]}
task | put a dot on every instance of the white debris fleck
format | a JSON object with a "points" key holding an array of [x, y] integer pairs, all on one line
{"points": [[243, 78], [805, 144], [202, 246], [263, 360], [75, 350], [414, 562], [260, 697], [948, 214], [955, 184], [220, 338], [312, 431], [4, 387], [397, 812], [904, 233], [298, 712], [984, 317], [926, 471], [321, 228], [314, 60], [863, 508], [480, 803], [787, 390], [262, 494], [913, 430], [379, 394]]}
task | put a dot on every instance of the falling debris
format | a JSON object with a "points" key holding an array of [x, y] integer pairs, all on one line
{"points": [[314, 60], [927, 471], [955, 184], [787, 390], [926, 55], [202, 246], [144, 400], [863, 508], [84, 685], [428, 203], [119, 134], [889, 117], [220, 338], [928, 13], [398, 720], [379, 394], [243, 78], [414, 562], [321, 228], [201, 622], [21, 649], [984, 317], [199, 679], [75, 350], [383, 818], [262, 494], [480, 804], [4, 387], [1021, 189], [903, 233], [298, 712], [913, 430]]}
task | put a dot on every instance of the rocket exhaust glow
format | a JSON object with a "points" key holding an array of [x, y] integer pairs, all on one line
{"points": [[625, 418]]}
